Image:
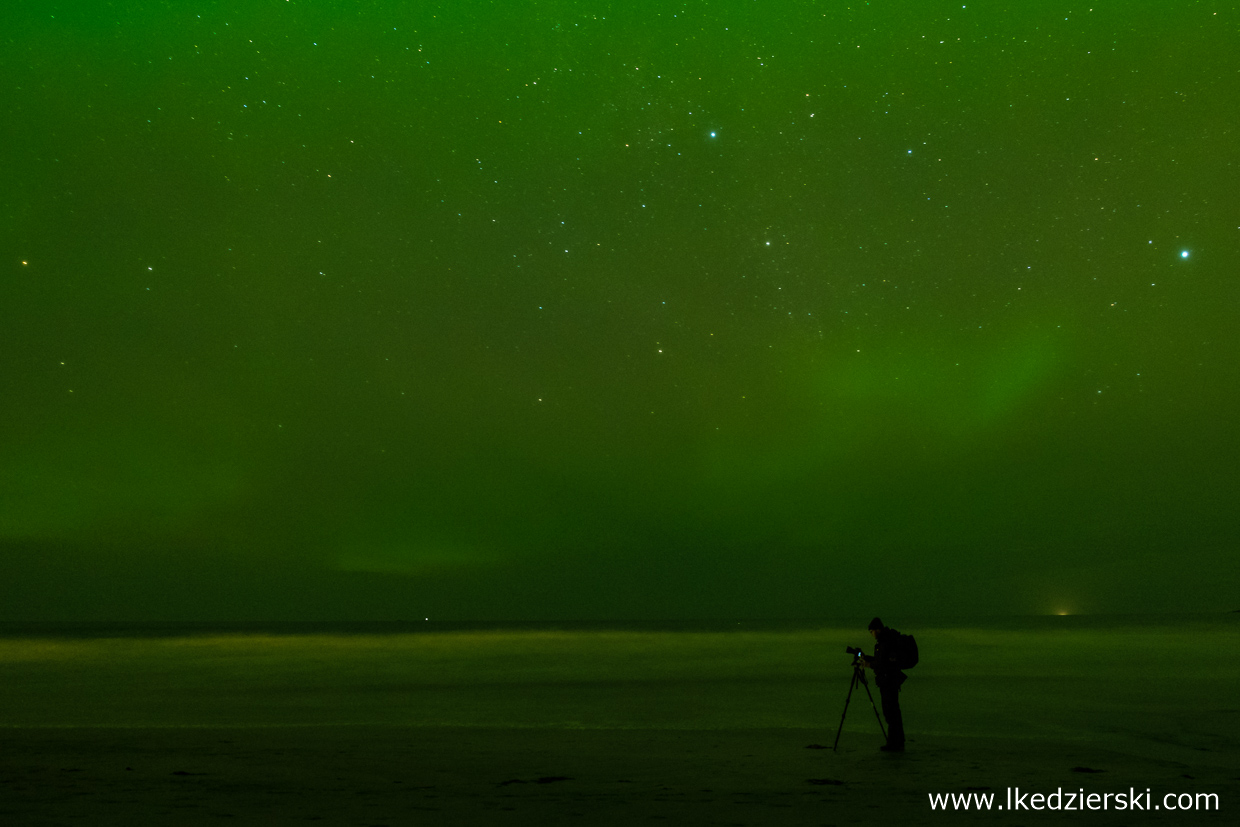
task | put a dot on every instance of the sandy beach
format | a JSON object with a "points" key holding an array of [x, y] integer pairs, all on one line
{"points": [[466, 776], [454, 414], [108, 731]]}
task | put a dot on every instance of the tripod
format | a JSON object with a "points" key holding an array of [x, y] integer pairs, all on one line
{"points": [[857, 678]]}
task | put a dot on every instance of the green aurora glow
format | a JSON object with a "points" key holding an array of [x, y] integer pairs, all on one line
{"points": [[584, 310]]}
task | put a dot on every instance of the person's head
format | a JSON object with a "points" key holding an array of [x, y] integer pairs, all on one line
{"points": [[876, 626]]}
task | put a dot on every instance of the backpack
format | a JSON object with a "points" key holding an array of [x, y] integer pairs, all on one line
{"points": [[906, 652]]}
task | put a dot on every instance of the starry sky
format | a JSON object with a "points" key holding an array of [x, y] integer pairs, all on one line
{"points": [[571, 310]]}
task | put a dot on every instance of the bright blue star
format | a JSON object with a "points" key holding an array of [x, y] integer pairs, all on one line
{"points": [[712, 134], [1184, 254]]}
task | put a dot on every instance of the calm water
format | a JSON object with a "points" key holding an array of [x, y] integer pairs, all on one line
{"points": [[1154, 684]]}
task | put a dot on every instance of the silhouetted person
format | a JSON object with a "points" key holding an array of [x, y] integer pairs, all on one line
{"points": [[888, 676]]}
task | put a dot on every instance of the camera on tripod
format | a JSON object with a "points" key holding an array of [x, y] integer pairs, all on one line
{"points": [[858, 665]]}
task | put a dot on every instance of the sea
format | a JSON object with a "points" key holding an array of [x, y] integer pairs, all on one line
{"points": [[1144, 683]]}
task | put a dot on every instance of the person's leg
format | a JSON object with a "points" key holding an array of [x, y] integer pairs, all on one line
{"points": [[891, 711]]}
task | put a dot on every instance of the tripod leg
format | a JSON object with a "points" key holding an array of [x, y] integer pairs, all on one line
{"points": [[881, 728], [847, 698]]}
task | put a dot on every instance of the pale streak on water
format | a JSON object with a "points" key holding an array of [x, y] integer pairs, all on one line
{"points": [[1147, 685]]}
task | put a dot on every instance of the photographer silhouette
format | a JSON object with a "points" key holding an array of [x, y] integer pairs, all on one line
{"points": [[893, 653]]}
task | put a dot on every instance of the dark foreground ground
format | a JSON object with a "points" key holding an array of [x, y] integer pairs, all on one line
{"points": [[607, 728], [471, 776]]}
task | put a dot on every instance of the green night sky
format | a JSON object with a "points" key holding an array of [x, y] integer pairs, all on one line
{"points": [[568, 310]]}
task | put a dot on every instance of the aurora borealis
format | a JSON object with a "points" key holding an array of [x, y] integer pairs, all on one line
{"points": [[643, 310]]}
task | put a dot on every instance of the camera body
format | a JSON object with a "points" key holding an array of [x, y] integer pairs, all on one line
{"points": [[855, 652]]}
